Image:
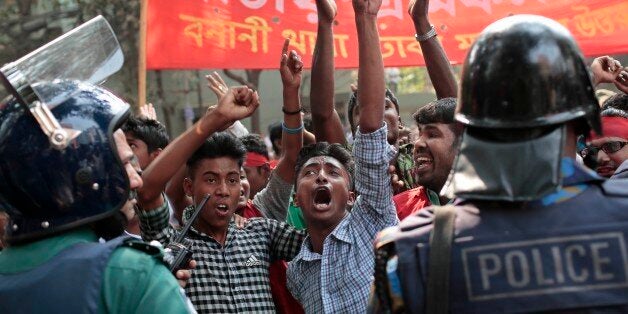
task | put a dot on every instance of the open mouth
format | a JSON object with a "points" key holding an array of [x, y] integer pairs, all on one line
{"points": [[322, 197], [423, 163], [222, 209]]}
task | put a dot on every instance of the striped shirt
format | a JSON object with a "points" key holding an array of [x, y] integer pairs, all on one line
{"points": [[233, 278], [338, 280]]}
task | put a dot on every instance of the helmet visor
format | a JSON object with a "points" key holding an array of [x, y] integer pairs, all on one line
{"points": [[89, 53]]}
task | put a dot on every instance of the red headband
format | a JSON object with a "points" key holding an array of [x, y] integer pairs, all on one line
{"points": [[612, 127], [255, 160]]}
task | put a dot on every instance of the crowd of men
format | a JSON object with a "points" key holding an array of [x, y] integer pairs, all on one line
{"points": [[510, 196]]}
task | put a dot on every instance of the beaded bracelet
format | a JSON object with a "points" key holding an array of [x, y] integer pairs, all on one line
{"points": [[423, 37], [291, 131]]}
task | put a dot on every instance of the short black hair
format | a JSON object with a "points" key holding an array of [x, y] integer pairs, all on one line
{"points": [[254, 144], [147, 130], [439, 111], [353, 102], [274, 133], [218, 145], [337, 151], [617, 101]]}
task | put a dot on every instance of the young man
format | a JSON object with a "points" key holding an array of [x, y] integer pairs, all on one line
{"points": [[434, 153], [146, 137], [610, 149], [333, 271], [325, 119], [224, 252], [256, 164]]}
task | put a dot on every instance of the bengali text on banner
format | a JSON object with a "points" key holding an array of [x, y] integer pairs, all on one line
{"points": [[248, 34]]}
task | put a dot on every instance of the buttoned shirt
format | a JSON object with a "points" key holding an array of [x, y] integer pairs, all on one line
{"points": [[337, 281], [232, 278]]}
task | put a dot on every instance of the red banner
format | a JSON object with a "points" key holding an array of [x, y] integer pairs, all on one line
{"points": [[239, 34]]}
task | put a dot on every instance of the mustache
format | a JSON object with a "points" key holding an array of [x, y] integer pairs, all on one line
{"points": [[421, 150], [132, 195]]}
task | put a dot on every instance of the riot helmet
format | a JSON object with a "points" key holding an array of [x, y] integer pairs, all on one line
{"points": [[59, 163], [525, 71], [522, 80]]}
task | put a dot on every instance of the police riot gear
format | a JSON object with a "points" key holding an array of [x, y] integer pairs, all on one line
{"points": [[59, 164]]}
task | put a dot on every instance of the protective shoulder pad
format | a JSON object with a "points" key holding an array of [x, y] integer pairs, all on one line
{"points": [[615, 187]]}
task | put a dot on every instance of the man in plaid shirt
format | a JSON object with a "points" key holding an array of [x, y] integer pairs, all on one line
{"points": [[232, 273], [334, 269]]}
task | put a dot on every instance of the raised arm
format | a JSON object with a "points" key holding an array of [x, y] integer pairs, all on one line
{"points": [[371, 66], [236, 104], [438, 66], [374, 208], [274, 199], [292, 129], [325, 119]]}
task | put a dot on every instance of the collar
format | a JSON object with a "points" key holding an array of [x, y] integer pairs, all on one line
{"points": [[574, 173], [342, 230], [193, 233], [433, 197], [341, 233], [576, 179]]}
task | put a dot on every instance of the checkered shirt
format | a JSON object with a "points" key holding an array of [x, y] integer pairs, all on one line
{"points": [[233, 278], [338, 281]]}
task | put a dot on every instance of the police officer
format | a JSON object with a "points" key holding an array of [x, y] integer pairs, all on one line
{"points": [[66, 180], [531, 230]]}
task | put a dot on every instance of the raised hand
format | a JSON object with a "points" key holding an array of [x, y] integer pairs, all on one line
{"points": [[621, 82], [290, 67], [370, 7], [326, 10], [605, 70], [237, 103], [418, 10], [148, 111], [216, 84]]}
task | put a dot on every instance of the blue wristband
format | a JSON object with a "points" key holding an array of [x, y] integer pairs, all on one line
{"points": [[291, 131]]}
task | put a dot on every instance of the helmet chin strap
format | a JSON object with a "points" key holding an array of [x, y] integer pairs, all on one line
{"points": [[488, 170]]}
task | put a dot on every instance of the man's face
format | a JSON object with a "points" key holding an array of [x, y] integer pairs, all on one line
{"points": [[129, 163], [258, 178], [434, 154], [140, 149], [323, 191], [607, 163], [220, 178], [391, 116], [245, 190]]}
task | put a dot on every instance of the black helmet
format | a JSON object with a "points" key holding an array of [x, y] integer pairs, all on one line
{"points": [[525, 71], [47, 189]]}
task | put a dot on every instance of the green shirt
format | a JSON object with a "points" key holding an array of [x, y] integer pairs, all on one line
{"points": [[133, 282], [295, 216]]}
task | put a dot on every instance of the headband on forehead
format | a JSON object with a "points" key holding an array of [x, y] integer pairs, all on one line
{"points": [[255, 160], [612, 127]]}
